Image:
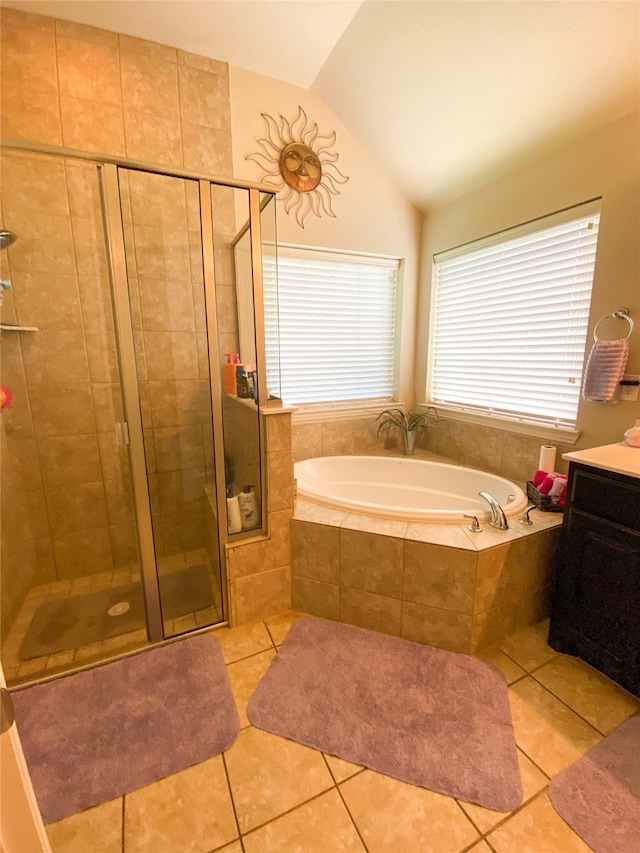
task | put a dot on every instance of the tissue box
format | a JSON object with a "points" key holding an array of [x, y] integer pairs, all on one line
{"points": [[543, 502]]}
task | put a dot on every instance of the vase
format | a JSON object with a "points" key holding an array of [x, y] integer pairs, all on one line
{"points": [[409, 442]]}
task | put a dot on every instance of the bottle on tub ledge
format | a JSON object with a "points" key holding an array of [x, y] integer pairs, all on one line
{"points": [[234, 519], [242, 382], [229, 382], [248, 508]]}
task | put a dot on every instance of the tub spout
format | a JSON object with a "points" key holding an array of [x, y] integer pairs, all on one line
{"points": [[498, 518]]}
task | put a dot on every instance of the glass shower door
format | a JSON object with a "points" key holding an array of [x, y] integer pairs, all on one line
{"points": [[237, 340], [165, 271], [70, 567]]}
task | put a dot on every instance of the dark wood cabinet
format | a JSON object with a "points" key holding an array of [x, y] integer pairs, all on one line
{"points": [[596, 602]]}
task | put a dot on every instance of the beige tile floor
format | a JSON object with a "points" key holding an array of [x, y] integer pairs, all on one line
{"points": [[267, 794], [17, 671]]}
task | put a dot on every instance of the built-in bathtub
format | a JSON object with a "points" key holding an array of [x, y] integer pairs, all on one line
{"points": [[406, 488], [393, 566]]}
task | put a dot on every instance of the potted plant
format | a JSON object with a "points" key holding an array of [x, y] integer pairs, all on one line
{"points": [[410, 424]]}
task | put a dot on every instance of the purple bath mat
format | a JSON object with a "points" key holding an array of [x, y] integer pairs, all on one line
{"points": [[599, 795], [426, 716], [98, 734]]}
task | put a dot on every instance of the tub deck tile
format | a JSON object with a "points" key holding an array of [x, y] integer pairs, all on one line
{"points": [[317, 513], [375, 524], [449, 535]]}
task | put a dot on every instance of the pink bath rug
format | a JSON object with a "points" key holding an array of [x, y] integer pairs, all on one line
{"points": [[95, 735], [425, 716], [599, 795]]}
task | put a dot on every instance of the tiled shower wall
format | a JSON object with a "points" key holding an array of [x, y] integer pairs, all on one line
{"points": [[164, 262], [66, 508], [93, 90]]}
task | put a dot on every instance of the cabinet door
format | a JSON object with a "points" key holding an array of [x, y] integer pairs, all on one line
{"points": [[597, 602]]}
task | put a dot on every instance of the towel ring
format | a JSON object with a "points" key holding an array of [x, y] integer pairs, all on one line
{"points": [[622, 314]]}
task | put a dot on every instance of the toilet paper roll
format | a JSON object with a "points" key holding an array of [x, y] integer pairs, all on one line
{"points": [[547, 458]]}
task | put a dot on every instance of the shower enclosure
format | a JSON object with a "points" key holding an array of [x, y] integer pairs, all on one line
{"points": [[119, 445]]}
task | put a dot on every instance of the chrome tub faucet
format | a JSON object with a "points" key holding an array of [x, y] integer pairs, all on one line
{"points": [[498, 518]]}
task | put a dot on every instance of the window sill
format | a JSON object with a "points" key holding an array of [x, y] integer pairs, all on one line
{"points": [[562, 435], [350, 410]]}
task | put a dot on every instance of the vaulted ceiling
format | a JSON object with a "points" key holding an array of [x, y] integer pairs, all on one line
{"points": [[445, 94]]}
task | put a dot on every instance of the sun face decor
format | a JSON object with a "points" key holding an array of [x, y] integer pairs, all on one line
{"points": [[298, 161]]}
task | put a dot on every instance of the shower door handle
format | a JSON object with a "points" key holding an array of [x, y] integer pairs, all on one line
{"points": [[6, 707], [122, 433]]}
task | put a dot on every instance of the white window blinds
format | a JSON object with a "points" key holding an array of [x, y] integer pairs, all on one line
{"points": [[510, 319], [330, 326]]}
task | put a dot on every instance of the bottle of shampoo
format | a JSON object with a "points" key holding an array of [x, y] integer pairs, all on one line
{"points": [[234, 519], [229, 376], [248, 508], [242, 382]]}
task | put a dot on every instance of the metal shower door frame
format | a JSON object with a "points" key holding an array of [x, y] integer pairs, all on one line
{"points": [[125, 338], [107, 167], [125, 342]]}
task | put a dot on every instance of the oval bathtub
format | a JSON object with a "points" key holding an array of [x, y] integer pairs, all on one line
{"points": [[407, 488]]}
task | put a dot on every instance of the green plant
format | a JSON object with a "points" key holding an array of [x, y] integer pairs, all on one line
{"points": [[407, 422]]}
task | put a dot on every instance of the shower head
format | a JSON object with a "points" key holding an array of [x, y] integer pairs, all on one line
{"points": [[7, 238]]}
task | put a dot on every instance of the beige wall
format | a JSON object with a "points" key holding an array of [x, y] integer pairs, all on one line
{"points": [[605, 163], [371, 215]]}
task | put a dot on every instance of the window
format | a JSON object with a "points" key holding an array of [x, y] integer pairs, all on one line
{"points": [[330, 326], [510, 319]]}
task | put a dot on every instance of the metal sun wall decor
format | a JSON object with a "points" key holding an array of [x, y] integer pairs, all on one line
{"points": [[298, 161]]}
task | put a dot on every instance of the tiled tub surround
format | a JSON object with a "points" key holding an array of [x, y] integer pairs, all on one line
{"points": [[509, 454], [406, 488], [439, 584]]}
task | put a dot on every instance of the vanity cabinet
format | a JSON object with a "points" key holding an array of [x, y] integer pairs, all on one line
{"points": [[596, 603]]}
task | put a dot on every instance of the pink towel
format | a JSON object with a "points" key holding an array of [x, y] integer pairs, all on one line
{"points": [[558, 487], [605, 369], [538, 477]]}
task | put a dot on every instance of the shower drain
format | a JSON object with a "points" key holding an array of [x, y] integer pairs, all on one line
{"points": [[119, 608]]}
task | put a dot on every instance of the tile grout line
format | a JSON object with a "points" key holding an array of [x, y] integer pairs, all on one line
{"points": [[288, 811], [562, 702], [535, 764], [252, 655], [233, 803], [123, 819], [515, 811], [470, 819], [344, 803], [505, 820], [560, 699], [273, 642]]}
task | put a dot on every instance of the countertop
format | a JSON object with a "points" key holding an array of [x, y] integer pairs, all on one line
{"points": [[612, 457]]}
